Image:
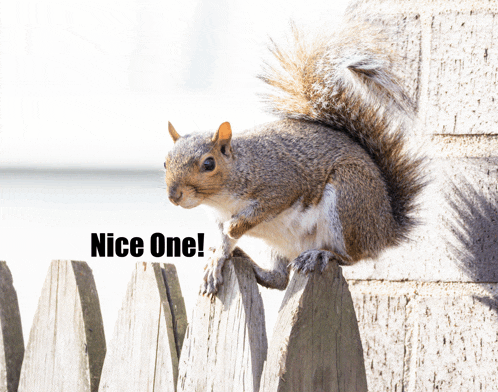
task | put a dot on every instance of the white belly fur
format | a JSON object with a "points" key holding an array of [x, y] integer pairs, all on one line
{"points": [[293, 231]]}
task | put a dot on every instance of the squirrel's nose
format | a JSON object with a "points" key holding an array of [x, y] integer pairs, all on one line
{"points": [[175, 195]]}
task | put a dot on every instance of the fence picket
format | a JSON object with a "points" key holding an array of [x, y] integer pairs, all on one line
{"points": [[143, 353], [225, 346], [11, 339], [66, 346], [316, 344]]}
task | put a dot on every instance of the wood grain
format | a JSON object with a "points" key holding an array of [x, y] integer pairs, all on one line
{"points": [[143, 354], [316, 345], [11, 339], [225, 346], [66, 346]]}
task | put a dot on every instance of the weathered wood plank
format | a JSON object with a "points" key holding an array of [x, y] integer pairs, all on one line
{"points": [[11, 339], [66, 346], [316, 345], [225, 345], [143, 354], [176, 304]]}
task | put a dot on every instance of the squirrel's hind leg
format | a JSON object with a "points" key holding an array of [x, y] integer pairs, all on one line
{"points": [[316, 260], [275, 278]]}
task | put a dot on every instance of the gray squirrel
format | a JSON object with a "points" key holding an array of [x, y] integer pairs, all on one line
{"points": [[332, 181]]}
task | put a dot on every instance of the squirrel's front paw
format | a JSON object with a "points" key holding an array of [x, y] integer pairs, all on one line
{"points": [[234, 228], [213, 277], [311, 260]]}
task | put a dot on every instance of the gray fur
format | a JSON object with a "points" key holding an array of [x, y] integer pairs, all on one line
{"points": [[331, 181]]}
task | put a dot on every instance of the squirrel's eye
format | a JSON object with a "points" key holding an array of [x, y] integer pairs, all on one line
{"points": [[209, 164]]}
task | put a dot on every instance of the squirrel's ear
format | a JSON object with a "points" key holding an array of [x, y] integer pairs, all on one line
{"points": [[223, 134], [172, 131]]}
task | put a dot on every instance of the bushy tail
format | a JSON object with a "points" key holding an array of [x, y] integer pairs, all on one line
{"points": [[347, 81]]}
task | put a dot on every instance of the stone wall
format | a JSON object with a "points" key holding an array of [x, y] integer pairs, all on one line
{"points": [[428, 311]]}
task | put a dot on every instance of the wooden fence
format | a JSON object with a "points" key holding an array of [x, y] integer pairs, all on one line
{"points": [[315, 345]]}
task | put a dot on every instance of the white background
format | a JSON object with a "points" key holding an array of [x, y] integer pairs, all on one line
{"points": [[91, 85]]}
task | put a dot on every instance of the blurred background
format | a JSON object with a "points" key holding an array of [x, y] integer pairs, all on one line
{"points": [[86, 91]]}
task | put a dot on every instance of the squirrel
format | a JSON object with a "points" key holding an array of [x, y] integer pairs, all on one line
{"points": [[331, 181]]}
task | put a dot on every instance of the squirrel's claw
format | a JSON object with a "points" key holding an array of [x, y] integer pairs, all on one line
{"points": [[212, 276], [208, 289], [311, 260]]}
